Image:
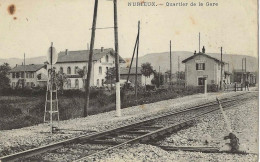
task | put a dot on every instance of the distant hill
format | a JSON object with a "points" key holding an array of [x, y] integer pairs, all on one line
{"points": [[163, 60], [34, 60]]}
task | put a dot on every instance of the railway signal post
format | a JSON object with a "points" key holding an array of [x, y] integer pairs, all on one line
{"points": [[52, 59]]}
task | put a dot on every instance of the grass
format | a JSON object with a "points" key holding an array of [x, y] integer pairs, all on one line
{"points": [[17, 112]]}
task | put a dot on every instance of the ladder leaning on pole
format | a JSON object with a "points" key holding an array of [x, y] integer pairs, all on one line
{"points": [[51, 105]]}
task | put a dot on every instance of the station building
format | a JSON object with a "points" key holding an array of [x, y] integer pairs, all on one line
{"points": [[69, 63], [201, 65]]}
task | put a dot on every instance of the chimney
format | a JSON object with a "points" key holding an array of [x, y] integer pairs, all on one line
{"points": [[66, 52], [102, 49], [88, 46], [203, 49], [195, 52]]}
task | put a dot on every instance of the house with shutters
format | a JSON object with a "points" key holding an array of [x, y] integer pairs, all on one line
{"points": [[30, 75], [69, 63], [201, 65]]}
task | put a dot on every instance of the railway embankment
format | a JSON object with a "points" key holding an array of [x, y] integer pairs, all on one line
{"points": [[16, 140]]}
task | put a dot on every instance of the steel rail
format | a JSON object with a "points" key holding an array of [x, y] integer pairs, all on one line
{"points": [[57, 145]]}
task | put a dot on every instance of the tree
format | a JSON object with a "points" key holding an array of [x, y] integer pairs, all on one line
{"points": [[60, 79], [156, 81], [146, 70], [4, 79], [82, 73], [110, 75]]}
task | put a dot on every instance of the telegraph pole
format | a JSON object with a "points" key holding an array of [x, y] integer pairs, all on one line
{"points": [[245, 68], [87, 85], [170, 60], [159, 77], [24, 70], [199, 42], [137, 51], [221, 79], [179, 69], [118, 101]]}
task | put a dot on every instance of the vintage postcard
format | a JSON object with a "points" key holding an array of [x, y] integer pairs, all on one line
{"points": [[129, 80]]}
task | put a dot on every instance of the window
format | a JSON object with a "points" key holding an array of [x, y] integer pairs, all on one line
{"points": [[69, 83], [39, 76], [13, 75], [32, 74], [27, 75], [13, 84], [76, 70], [97, 82], [100, 70], [17, 75], [22, 74], [200, 66], [61, 69], [107, 69], [201, 81], [107, 58], [77, 83], [68, 70]]}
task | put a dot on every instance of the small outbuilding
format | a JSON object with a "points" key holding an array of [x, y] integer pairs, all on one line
{"points": [[201, 65]]}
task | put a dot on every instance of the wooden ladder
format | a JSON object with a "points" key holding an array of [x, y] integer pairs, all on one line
{"points": [[51, 103]]}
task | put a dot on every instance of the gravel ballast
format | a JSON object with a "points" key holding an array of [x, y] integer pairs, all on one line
{"points": [[12, 141], [244, 124]]}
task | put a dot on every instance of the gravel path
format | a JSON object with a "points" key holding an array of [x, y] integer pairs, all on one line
{"points": [[244, 123], [12, 141]]}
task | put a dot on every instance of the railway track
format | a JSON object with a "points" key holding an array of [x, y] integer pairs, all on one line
{"points": [[82, 147]]}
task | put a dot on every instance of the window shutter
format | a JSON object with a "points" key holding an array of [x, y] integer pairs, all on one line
{"points": [[197, 66], [203, 66]]}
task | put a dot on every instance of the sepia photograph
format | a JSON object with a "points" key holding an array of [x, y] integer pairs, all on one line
{"points": [[129, 80]]}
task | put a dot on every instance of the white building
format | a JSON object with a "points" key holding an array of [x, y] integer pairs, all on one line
{"points": [[141, 79], [69, 62], [201, 65], [35, 75]]}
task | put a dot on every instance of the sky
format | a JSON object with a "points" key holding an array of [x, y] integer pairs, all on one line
{"points": [[34, 24]]}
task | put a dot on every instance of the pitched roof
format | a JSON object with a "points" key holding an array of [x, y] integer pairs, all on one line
{"points": [[124, 70], [83, 55], [240, 71], [201, 54], [29, 68]]}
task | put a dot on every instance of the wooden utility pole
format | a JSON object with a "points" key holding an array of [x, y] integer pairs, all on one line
{"points": [[221, 79], [24, 70], [179, 69], [87, 85], [137, 51], [242, 78], [136, 42], [170, 60], [159, 77], [245, 69], [118, 101], [199, 42]]}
